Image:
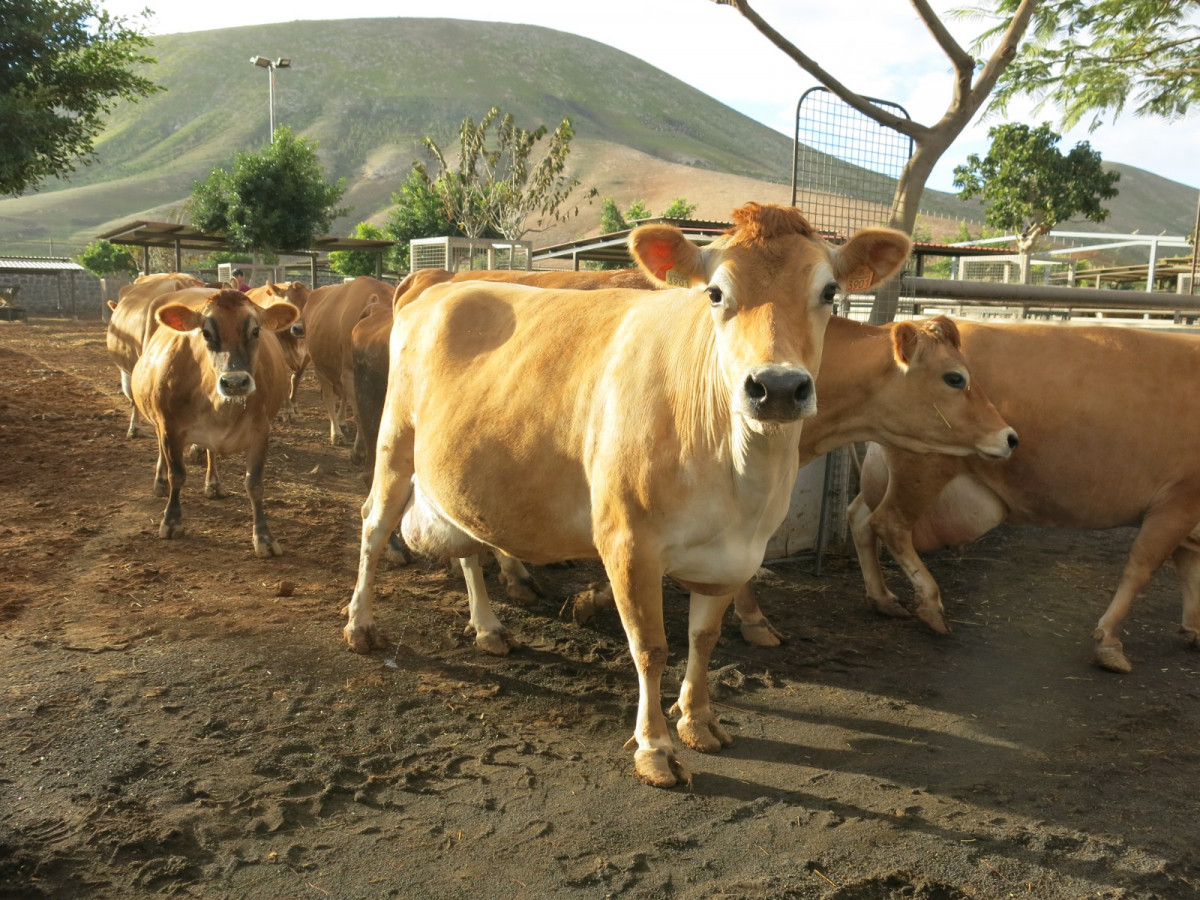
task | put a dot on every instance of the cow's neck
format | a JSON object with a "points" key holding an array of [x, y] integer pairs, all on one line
{"points": [[857, 358]]}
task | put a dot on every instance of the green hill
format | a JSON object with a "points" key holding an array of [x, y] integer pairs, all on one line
{"points": [[367, 90]]}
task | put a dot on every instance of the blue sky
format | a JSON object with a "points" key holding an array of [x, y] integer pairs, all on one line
{"points": [[877, 47]]}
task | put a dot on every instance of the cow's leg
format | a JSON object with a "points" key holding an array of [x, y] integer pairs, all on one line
{"points": [[490, 634], [162, 480], [1187, 563], [212, 477], [332, 405], [265, 545], [637, 589], [1161, 532], [897, 535], [127, 390], [698, 726], [520, 586], [756, 628], [590, 602], [170, 453], [390, 490], [866, 546]]}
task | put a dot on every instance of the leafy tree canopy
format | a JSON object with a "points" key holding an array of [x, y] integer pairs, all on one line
{"points": [[1030, 186], [352, 263], [417, 212], [64, 64], [106, 258], [275, 200], [1092, 58]]}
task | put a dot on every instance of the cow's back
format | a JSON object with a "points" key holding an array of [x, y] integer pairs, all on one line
{"points": [[329, 318], [132, 319]]}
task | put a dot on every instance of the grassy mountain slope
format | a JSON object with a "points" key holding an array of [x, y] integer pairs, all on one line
{"points": [[368, 90]]}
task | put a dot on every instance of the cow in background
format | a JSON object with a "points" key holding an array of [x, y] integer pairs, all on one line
{"points": [[329, 317], [213, 374], [656, 430], [291, 340]]}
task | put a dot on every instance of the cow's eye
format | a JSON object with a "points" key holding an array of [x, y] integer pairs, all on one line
{"points": [[254, 333], [830, 293], [956, 380], [715, 296]]}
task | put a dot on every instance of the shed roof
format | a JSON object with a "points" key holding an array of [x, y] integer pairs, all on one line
{"points": [[143, 233], [38, 265]]}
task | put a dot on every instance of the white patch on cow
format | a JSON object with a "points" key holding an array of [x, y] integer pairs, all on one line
{"points": [[430, 532]]}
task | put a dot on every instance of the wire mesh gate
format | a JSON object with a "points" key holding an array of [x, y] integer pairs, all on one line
{"points": [[845, 166]]}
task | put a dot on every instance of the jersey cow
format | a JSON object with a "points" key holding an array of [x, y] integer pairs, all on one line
{"points": [[291, 340], [132, 322], [329, 318], [1106, 440], [213, 375], [656, 430]]}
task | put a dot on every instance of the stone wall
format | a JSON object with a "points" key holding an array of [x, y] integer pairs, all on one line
{"points": [[70, 294]]}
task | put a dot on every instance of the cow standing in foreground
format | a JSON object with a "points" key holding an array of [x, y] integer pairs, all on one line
{"points": [[1110, 431], [213, 374], [655, 430]]}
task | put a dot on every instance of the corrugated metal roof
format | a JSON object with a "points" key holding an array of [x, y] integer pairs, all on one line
{"points": [[39, 264]]}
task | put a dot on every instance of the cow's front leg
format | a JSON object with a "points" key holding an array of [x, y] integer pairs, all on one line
{"points": [[866, 546], [637, 589], [698, 726], [265, 545], [170, 455]]}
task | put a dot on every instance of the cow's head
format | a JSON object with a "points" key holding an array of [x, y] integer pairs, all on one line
{"points": [[936, 407], [770, 283], [293, 292], [230, 325]]}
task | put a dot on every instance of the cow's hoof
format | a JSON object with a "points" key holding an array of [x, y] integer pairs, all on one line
{"points": [[660, 768], [935, 619], [761, 634], [396, 551], [213, 491], [523, 591], [890, 606], [161, 489], [1113, 659], [497, 643], [265, 549], [703, 733], [364, 638], [1192, 636], [170, 530], [587, 603]]}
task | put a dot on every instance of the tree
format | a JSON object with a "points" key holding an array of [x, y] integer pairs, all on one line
{"points": [[679, 209], [103, 258], [352, 263], [275, 200], [610, 217], [64, 64], [1030, 186], [1089, 59], [495, 183], [972, 85], [418, 212]]}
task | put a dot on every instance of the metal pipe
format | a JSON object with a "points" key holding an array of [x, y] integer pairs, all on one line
{"points": [[987, 293]]}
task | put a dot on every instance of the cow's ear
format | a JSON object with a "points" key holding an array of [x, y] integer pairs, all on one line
{"points": [[179, 317], [905, 340], [944, 329], [278, 316], [667, 256], [871, 257]]}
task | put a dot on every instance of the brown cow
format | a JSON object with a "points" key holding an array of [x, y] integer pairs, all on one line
{"points": [[295, 348], [329, 317], [213, 375], [132, 322], [1107, 439], [656, 430]]}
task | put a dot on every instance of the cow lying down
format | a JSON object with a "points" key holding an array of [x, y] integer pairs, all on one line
{"points": [[213, 375]]}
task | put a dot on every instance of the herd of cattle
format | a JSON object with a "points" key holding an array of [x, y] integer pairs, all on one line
{"points": [[656, 418]]}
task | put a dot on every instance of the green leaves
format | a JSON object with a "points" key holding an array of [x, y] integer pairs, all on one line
{"points": [[106, 258], [276, 200], [63, 66]]}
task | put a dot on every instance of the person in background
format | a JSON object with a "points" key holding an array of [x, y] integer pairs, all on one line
{"points": [[239, 281]]}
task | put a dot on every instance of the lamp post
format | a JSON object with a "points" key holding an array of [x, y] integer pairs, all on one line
{"points": [[271, 65]]}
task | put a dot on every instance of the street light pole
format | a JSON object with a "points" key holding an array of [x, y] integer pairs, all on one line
{"points": [[271, 65]]}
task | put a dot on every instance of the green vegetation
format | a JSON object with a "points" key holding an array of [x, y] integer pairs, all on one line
{"points": [[105, 258], [64, 65], [352, 263], [275, 200]]}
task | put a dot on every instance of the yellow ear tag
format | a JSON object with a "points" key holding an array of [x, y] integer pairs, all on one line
{"points": [[675, 279], [860, 279]]}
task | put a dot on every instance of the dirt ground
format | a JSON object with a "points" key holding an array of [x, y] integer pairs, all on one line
{"points": [[173, 723]]}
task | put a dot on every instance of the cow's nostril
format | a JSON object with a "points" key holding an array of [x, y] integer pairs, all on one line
{"points": [[754, 389], [803, 390], [1012, 440]]}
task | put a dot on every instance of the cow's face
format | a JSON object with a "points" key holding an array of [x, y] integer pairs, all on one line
{"points": [[770, 286], [230, 326]]}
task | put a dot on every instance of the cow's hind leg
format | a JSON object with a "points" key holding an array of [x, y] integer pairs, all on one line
{"points": [[490, 634], [698, 726], [520, 586], [390, 490], [212, 477], [1161, 533], [756, 628], [1187, 563]]}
